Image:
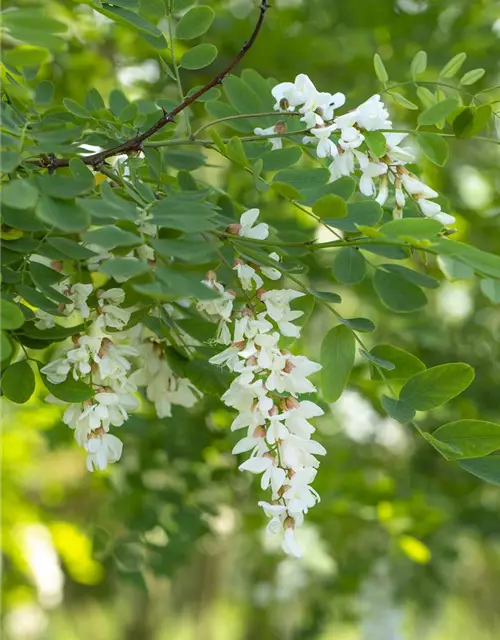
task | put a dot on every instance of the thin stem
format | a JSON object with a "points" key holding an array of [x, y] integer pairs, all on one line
{"points": [[176, 71], [239, 116], [209, 143], [136, 143]]}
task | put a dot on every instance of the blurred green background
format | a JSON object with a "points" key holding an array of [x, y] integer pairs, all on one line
{"points": [[169, 544]]}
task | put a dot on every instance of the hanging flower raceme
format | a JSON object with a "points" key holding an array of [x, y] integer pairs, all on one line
{"points": [[266, 393], [343, 139], [101, 360]]}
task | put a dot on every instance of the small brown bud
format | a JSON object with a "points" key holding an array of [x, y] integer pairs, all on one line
{"points": [[234, 228], [60, 308], [259, 432], [282, 490], [252, 361], [280, 127], [246, 312], [238, 345], [76, 339], [211, 276], [260, 293], [231, 292], [292, 403], [268, 455], [289, 523], [56, 265], [273, 411], [284, 104], [289, 367]]}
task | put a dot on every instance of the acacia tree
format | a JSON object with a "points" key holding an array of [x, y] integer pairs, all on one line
{"points": [[125, 272]]}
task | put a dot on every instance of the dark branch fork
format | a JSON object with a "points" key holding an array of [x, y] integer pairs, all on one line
{"points": [[135, 144]]}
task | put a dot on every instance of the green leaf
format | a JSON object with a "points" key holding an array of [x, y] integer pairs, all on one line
{"points": [[242, 97], [420, 279], [427, 98], [418, 64], [471, 438], [471, 121], [70, 390], [65, 215], [487, 469], [281, 158], [111, 237], [358, 324], [199, 57], [436, 386], [123, 269], [18, 382], [9, 160], [437, 112], [380, 70], [418, 228], [70, 249], [378, 362], [11, 316], [330, 206], [453, 65], [186, 250], [143, 27], [349, 266], [454, 269], [93, 101], [337, 358], [326, 296], [398, 294], [5, 347], [434, 147], [472, 76], [397, 409], [367, 213], [405, 364], [236, 152], [184, 160], [303, 178], [194, 23], [483, 263], [491, 289], [76, 109], [402, 101], [376, 142], [19, 194]]}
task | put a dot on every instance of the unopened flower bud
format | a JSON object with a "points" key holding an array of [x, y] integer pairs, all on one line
{"points": [[259, 432], [76, 339], [273, 411], [284, 104], [260, 292], [56, 265], [238, 345], [282, 490], [252, 361], [234, 228], [289, 367], [280, 127], [292, 403], [211, 276], [268, 455], [237, 262], [289, 523]]}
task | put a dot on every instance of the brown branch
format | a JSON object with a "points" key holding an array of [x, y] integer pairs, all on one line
{"points": [[135, 144]]}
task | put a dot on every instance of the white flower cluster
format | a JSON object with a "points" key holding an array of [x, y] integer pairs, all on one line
{"points": [[267, 392], [343, 140], [163, 387], [102, 362]]}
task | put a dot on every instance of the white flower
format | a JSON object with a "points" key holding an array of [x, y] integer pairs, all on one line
{"points": [[289, 544], [222, 307], [271, 272], [416, 187], [79, 294], [373, 115], [57, 370], [110, 314], [296, 420], [272, 475], [372, 170], [278, 309], [383, 193], [350, 138], [248, 276], [433, 210], [248, 230], [277, 142], [398, 154], [103, 449], [44, 320], [326, 148]]}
